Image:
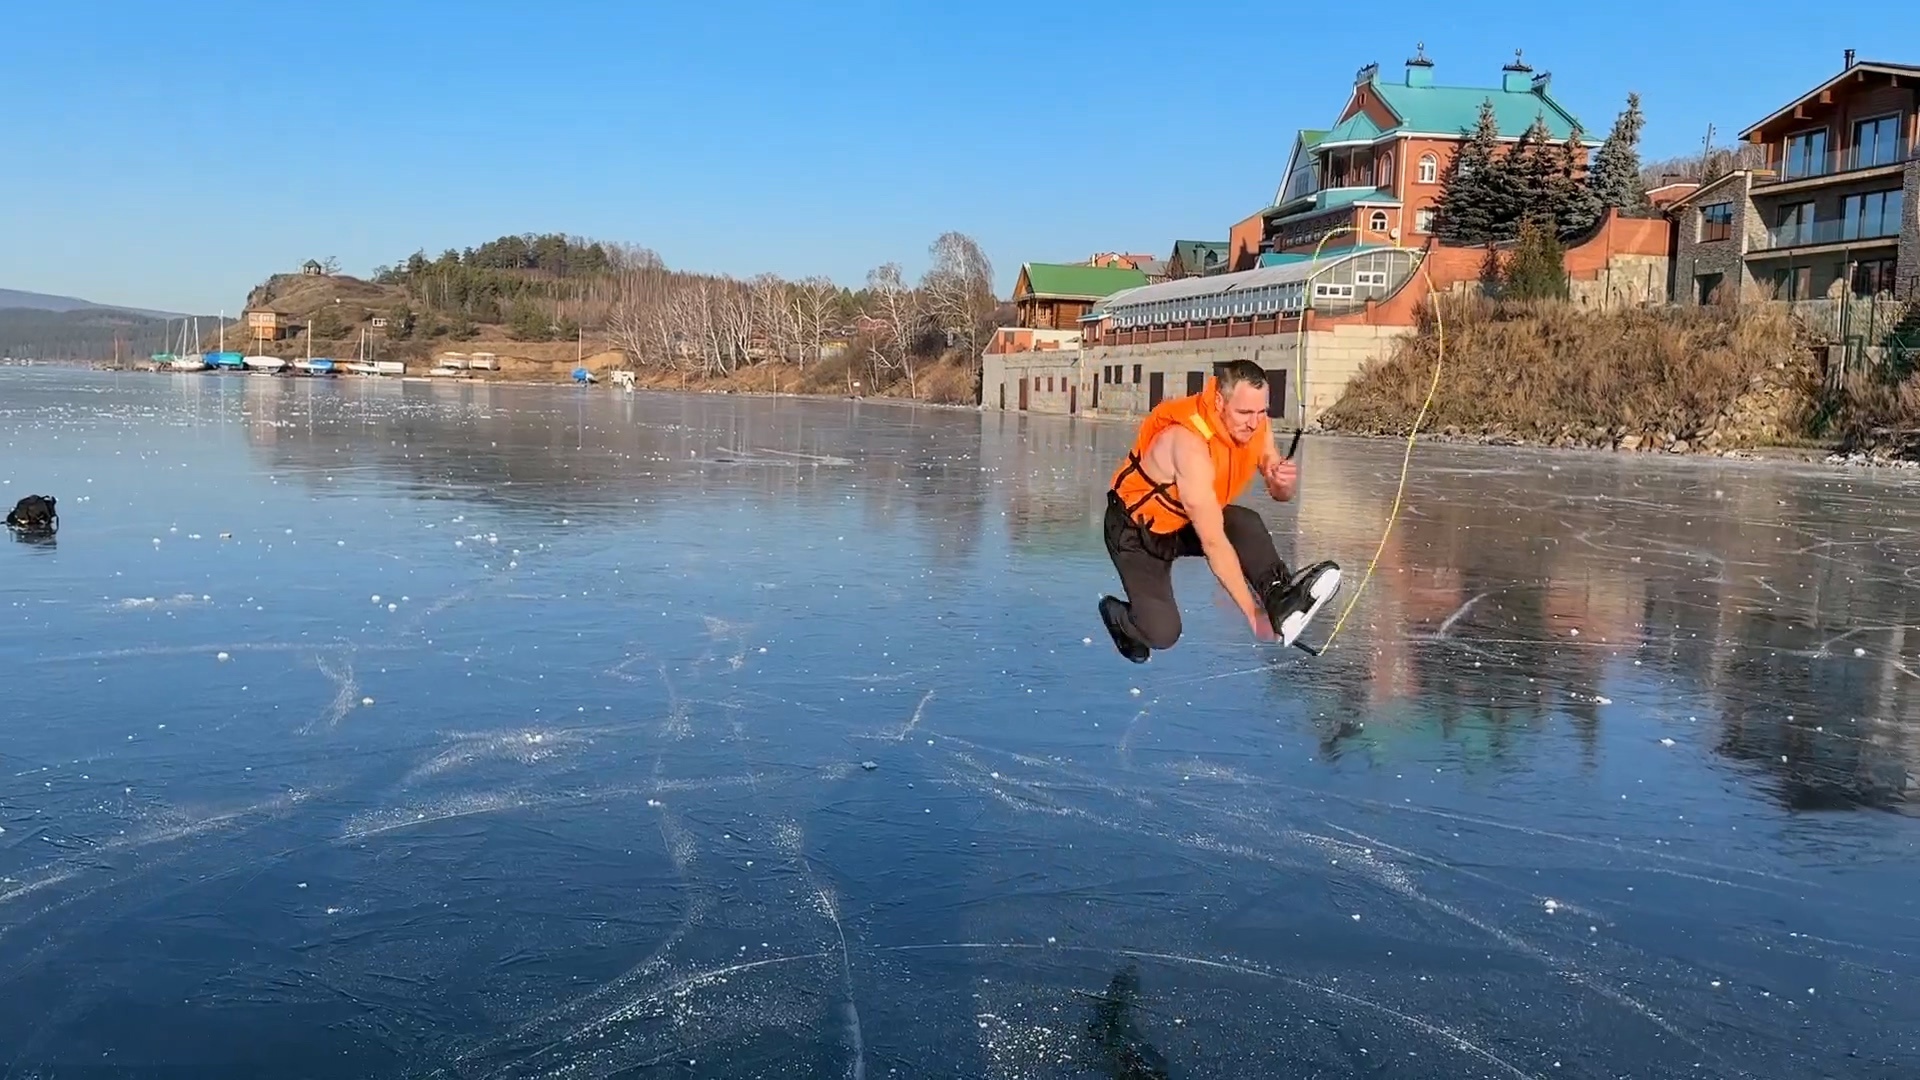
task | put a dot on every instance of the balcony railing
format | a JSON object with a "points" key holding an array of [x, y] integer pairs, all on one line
{"points": [[1791, 166], [1881, 226]]}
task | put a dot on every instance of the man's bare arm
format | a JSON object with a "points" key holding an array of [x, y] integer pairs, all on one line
{"points": [[1193, 472]]}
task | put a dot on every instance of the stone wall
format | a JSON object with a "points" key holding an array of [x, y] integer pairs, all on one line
{"points": [[1694, 257], [1332, 356], [1626, 281], [1907, 286]]}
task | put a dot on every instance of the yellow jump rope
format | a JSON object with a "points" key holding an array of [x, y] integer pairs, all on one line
{"points": [[1406, 460]]}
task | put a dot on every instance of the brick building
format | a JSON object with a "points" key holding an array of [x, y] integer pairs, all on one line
{"points": [[1372, 178], [1831, 211]]}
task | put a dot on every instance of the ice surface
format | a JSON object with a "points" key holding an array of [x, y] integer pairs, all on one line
{"points": [[721, 736]]}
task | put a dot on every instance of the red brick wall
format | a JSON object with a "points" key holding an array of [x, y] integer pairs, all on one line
{"points": [[1244, 243]]}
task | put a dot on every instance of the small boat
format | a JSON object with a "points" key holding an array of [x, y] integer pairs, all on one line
{"points": [[190, 362], [226, 361], [315, 365], [266, 364]]}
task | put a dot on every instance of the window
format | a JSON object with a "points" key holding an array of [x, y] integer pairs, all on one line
{"points": [[1136, 374], [1429, 169], [1377, 221], [1876, 141], [1870, 216], [1332, 290], [1806, 155], [1423, 221], [1716, 222], [1872, 276], [1370, 277], [1794, 225], [1386, 170], [1793, 283]]}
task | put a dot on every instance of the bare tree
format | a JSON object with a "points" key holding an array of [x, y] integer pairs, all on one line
{"points": [[958, 290], [625, 257], [817, 315], [774, 332], [639, 320], [899, 310]]}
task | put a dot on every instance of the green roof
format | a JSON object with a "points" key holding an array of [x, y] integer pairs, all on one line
{"points": [[1193, 253], [1336, 198], [1357, 128], [1311, 136], [1451, 110], [1278, 258], [1079, 281]]}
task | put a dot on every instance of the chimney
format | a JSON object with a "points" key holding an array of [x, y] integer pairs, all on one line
{"points": [[1514, 76], [1366, 74], [1849, 62], [1420, 69], [1541, 81]]}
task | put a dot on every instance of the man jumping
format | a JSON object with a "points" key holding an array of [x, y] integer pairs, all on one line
{"points": [[1171, 497]]}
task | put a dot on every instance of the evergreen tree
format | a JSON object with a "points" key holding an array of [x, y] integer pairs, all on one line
{"points": [[1523, 181], [1616, 168], [1577, 205], [1537, 268], [1465, 210]]}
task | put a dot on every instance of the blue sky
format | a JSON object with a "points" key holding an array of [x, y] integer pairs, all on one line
{"points": [[171, 155]]}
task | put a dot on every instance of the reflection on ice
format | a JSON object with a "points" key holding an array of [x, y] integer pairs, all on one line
{"points": [[752, 737]]}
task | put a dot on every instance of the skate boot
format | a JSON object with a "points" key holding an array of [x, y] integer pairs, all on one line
{"points": [[1293, 603], [1111, 610]]}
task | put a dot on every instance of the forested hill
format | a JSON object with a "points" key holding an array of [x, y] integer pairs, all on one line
{"points": [[538, 287], [81, 334]]}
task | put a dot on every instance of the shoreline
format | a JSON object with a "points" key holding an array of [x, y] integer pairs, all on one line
{"points": [[1827, 455]]}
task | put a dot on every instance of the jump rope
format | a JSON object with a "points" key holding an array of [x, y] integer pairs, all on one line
{"points": [[1406, 459]]}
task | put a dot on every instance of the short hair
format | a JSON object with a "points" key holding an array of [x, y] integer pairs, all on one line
{"points": [[1234, 372]]}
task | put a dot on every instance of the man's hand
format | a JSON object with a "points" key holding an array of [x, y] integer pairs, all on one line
{"points": [[1282, 478], [1261, 625]]}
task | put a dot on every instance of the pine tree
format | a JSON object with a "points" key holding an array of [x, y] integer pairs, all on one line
{"points": [[1616, 168], [1524, 181], [1577, 205], [1465, 210], [1537, 269]]}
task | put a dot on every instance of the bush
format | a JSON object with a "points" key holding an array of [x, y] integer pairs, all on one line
{"points": [[1537, 268], [1541, 367]]}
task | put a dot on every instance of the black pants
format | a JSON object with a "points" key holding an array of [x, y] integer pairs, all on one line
{"points": [[1145, 562]]}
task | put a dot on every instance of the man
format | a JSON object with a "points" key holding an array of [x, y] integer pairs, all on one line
{"points": [[1171, 498]]}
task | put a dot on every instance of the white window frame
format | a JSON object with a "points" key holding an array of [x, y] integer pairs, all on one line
{"points": [[1429, 168]]}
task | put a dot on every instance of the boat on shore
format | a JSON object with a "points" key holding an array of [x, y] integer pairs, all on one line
{"points": [[269, 365]]}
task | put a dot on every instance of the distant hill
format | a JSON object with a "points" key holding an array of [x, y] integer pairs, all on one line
{"points": [[83, 334], [33, 301]]}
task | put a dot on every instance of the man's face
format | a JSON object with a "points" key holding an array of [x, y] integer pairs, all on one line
{"points": [[1242, 409]]}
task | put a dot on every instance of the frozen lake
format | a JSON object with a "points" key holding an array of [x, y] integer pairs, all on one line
{"points": [[368, 729]]}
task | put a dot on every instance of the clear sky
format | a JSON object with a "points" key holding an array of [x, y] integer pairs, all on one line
{"points": [[173, 154]]}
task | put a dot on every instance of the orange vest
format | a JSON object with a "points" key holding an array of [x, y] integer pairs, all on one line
{"points": [[1158, 506]]}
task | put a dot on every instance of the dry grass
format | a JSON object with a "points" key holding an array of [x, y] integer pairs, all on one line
{"points": [[1868, 414], [1536, 370]]}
